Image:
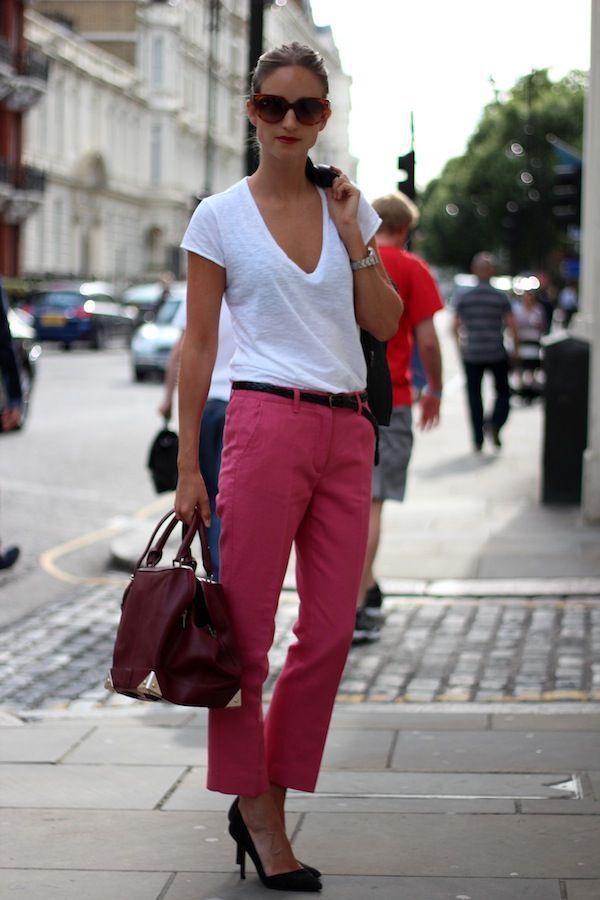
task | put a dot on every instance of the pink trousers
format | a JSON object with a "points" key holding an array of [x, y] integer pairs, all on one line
{"points": [[291, 471]]}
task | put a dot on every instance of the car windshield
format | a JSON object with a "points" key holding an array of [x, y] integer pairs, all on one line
{"points": [[143, 293], [166, 313], [58, 299]]}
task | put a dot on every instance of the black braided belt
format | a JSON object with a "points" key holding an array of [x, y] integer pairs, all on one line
{"points": [[334, 401]]}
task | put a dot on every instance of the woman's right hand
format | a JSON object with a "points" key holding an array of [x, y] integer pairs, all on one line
{"points": [[191, 494]]}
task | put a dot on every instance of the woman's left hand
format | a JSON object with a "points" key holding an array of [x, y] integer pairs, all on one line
{"points": [[343, 198]]}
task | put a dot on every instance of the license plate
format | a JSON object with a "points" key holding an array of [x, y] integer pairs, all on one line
{"points": [[53, 319]]}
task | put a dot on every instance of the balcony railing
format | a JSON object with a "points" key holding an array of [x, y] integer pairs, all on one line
{"points": [[35, 65], [28, 178], [5, 172], [31, 179], [5, 51]]}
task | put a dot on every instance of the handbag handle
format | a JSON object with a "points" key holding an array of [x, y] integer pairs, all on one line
{"points": [[196, 526], [183, 555]]}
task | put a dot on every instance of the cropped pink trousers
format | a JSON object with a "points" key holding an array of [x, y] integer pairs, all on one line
{"points": [[291, 471]]}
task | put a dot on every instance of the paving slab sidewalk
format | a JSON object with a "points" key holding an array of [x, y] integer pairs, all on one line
{"points": [[416, 801], [487, 804]]}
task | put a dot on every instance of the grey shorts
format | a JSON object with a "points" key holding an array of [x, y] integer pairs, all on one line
{"points": [[395, 446]]}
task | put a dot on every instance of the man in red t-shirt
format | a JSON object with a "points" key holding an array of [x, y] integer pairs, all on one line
{"points": [[422, 300]]}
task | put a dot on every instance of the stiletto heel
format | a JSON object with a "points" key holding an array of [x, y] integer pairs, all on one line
{"points": [[297, 880], [240, 859], [232, 811]]}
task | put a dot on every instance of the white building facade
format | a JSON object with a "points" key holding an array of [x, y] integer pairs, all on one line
{"points": [[128, 150]]}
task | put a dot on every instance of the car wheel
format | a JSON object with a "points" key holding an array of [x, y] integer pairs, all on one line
{"points": [[139, 374], [66, 346]]}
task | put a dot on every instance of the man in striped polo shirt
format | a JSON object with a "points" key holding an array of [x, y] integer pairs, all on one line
{"points": [[482, 315]]}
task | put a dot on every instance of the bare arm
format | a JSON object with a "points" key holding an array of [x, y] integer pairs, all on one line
{"points": [[205, 287], [431, 357], [377, 306], [171, 376], [456, 327]]}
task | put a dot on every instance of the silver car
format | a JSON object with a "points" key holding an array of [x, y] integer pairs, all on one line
{"points": [[152, 342]]}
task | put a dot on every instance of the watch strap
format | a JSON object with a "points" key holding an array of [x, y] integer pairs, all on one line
{"points": [[369, 260]]}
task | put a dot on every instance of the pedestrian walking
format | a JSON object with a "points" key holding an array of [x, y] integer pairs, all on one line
{"points": [[11, 412], [568, 302], [299, 269], [422, 300], [210, 442], [530, 321], [482, 314]]}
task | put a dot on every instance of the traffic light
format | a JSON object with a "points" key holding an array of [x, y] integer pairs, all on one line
{"points": [[406, 166], [566, 193]]}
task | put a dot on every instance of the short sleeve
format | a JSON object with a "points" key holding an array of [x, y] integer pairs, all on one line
{"points": [[203, 235], [368, 220], [424, 298]]}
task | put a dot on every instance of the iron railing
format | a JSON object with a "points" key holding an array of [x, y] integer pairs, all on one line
{"points": [[31, 179], [35, 64], [5, 51]]}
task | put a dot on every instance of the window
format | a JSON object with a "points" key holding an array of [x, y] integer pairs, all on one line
{"points": [[156, 74], [155, 153], [57, 228]]}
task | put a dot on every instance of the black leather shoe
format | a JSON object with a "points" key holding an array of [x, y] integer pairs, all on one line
{"points": [[296, 880], [9, 557], [233, 809]]}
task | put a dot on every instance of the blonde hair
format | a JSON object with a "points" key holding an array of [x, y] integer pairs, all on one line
{"points": [[396, 211]]}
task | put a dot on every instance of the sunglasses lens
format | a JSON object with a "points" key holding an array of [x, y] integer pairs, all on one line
{"points": [[309, 111], [270, 109]]}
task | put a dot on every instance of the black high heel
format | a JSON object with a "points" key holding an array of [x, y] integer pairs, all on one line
{"points": [[297, 880], [232, 811]]}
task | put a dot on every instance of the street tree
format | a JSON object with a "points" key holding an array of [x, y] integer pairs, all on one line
{"points": [[499, 194]]}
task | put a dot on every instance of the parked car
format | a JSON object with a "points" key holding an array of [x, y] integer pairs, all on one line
{"points": [[88, 311], [152, 342], [28, 352], [144, 297]]}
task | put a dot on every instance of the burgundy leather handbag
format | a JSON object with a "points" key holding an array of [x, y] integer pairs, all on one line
{"points": [[174, 641]]}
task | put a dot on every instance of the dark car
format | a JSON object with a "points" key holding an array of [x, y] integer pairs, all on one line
{"points": [[89, 311], [28, 352]]}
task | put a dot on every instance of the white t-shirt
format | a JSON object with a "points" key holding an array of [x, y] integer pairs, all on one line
{"points": [[292, 328], [220, 384]]}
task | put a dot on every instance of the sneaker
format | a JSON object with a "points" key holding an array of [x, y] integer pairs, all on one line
{"points": [[366, 629], [374, 597], [373, 604], [9, 557]]}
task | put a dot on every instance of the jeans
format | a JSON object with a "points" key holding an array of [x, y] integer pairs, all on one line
{"points": [[474, 372], [211, 446]]}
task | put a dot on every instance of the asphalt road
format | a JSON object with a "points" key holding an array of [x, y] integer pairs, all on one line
{"points": [[78, 466]]}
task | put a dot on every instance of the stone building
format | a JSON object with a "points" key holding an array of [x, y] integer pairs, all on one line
{"points": [[143, 115], [23, 75]]}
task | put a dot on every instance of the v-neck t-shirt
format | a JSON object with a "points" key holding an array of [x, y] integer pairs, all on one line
{"points": [[292, 328]]}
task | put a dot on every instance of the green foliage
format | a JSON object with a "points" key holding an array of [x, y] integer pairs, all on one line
{"points": [[498, 195]]}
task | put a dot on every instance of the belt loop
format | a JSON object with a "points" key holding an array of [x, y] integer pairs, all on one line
{"points": [[296, 400], [359, 402]]}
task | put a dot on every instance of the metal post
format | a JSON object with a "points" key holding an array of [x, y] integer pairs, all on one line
{"points": [[255, 48], [588, 319]]}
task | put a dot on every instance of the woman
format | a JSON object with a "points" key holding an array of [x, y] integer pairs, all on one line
{"points": [[299, 270]]}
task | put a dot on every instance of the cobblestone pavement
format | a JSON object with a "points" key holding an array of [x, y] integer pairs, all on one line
{"points": [[431, 650]]}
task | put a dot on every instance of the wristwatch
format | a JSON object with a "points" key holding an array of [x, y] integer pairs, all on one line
{"points": [[369, 260]]}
